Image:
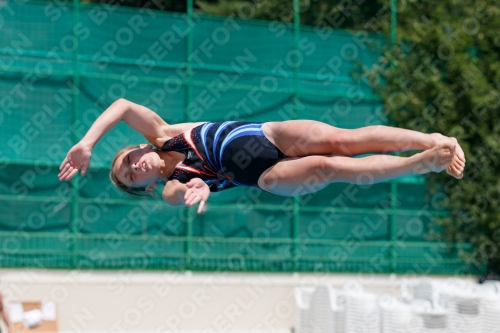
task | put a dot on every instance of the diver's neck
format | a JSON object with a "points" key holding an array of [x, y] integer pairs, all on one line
{"points": [[169, 160]]}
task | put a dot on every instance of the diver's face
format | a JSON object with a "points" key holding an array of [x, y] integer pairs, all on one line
{"points": [[138, 167]]}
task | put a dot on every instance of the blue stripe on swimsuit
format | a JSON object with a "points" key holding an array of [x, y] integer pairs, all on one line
{"points": [[224, 154]]}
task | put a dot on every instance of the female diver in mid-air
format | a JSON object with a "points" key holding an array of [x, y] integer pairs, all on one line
{"points": [[289, 158]]}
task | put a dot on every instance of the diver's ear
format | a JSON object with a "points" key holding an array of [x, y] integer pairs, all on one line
{"points": [[145, 145], [151, 187]]}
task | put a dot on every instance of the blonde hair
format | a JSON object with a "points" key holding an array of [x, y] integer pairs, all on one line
{"points": [[134, 191]]}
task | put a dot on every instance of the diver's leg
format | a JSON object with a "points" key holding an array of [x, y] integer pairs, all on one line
{"points": [[298, 138], [302, 175]]}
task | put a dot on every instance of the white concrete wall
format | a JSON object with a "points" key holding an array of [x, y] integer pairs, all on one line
{"points": [[125, 301]]}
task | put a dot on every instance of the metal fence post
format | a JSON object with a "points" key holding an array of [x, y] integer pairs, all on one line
{"points": [[392, 228], [74, 139], [394, 189], [189, 97], [296, 73]]}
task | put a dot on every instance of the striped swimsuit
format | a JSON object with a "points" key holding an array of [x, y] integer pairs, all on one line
{"points": [[224, 154]]}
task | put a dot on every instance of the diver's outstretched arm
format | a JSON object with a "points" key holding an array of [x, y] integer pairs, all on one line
{"points": [[140, 118]]}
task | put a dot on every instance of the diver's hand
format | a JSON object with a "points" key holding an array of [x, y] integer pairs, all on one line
{"points": [[77, 158], [197, 191]]}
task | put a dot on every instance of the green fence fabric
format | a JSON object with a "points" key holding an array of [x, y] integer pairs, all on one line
{"points": [[62, 64]]}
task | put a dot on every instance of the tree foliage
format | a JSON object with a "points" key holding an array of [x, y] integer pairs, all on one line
{"points": [[442, 75], [326, 13]]}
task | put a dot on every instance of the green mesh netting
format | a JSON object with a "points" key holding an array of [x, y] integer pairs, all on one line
{"points": [[61, 66]]}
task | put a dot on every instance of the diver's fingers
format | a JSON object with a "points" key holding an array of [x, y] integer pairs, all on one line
{"points": [[200, 207], [64, 162], [66, 173], [73, 172]]}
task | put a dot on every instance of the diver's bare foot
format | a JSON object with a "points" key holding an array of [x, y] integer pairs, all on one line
{"points": [[456, 168], [438, 138], [435, 159]]}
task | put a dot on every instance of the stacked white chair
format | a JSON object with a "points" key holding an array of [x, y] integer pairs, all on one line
{"points": [[398, 317], [427, 289], [433, 319], [466, 316], [428, 302], [302, 305], [318, 310], [362, 309], [490, 306], [324, 312], [426, 307]]}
